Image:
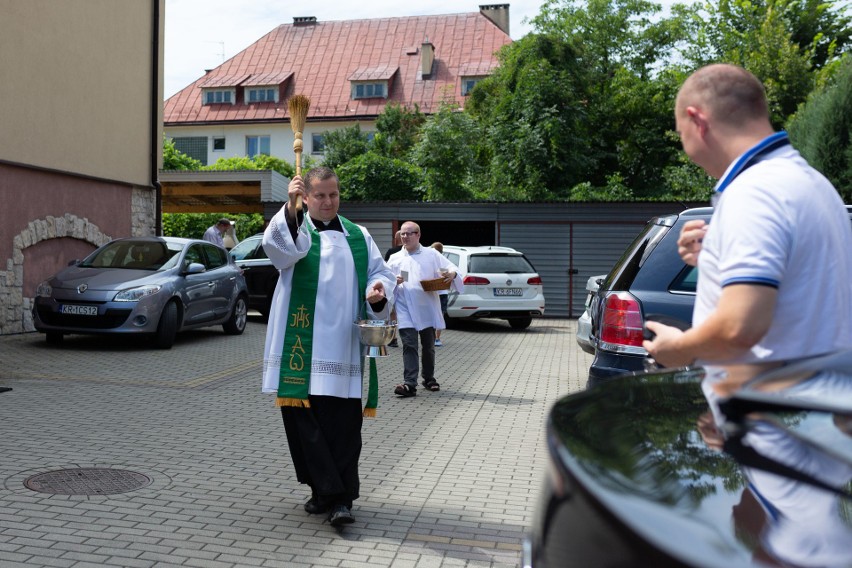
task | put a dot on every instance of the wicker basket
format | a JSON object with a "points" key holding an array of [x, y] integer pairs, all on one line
{"points": [[435, 284]]}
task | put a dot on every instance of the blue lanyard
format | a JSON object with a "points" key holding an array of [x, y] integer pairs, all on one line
{"points": [[748, 159]]}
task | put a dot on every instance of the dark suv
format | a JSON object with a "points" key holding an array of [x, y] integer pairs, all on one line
{"points": [[261, 276], [649, 281]]}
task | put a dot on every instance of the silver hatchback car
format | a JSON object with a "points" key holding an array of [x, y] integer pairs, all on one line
{"points": [[155, 286]]}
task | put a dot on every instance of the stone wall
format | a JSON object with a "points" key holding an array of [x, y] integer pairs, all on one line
{"points": [[15, 309], [143, 210]]}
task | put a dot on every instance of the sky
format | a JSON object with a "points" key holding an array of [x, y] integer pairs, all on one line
{"points": [[202, 34]]}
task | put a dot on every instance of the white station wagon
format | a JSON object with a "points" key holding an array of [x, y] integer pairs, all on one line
{"points": [[499, 282]]}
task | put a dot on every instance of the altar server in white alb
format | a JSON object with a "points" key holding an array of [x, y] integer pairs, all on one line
{"points": [[418, 311], [332, 272]]}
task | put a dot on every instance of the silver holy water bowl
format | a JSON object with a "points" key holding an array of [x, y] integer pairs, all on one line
{"points": [[375, 335]]}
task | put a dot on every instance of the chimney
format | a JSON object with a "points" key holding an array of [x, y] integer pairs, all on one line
{"points": [[498, 14], [427, 57], [304, 20]]}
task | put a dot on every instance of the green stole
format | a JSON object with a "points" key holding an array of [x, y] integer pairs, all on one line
{"points": [[295, 374]]}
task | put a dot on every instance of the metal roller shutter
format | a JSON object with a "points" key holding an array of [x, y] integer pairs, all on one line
{"points": [[597, 247], [548, 248]]}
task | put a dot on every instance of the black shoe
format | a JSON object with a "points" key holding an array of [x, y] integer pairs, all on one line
{"points": [[340, 515], [313, 507], [393, 344], [405, 390]]}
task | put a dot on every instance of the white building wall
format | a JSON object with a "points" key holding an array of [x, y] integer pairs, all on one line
{"points": [[280, 137]]}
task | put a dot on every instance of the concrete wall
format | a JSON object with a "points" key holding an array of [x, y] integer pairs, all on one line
{"points": [[76, 159], [75, 81]]}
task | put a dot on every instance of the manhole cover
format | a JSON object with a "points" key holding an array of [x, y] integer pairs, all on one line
{"points": [[87, 481]]}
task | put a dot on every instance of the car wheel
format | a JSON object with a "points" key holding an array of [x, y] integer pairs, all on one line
{"points": [[237, 324], [520, 323], [54, 337], [167, 328]]}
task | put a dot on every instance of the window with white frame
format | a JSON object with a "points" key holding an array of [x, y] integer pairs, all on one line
{"points": [[219, 96], [257, 145], [218, 143], [262, 95], [317, 143], [193, 146], [370, 90], [468, 83]]}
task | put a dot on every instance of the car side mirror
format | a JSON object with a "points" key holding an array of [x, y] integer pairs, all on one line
{"points": [[74, 262], [195, 268]]}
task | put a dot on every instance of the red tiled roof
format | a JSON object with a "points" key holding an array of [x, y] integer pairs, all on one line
{"points": [[274, 78], [374, 74], [324, 58], [478, 69], [222, 80]]}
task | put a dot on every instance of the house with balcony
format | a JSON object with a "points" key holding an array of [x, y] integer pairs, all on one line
{"points": [[351, 70]]}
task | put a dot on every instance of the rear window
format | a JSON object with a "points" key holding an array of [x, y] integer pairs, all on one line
{"points": [[499, 263], [624, 271], [686, 281]]}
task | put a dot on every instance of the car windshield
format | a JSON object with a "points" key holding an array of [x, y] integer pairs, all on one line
{"points": [[134, 255], [500, 263], [248, 249]]}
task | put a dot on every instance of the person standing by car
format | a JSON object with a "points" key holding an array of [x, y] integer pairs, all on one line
{"points": [[313, 356], [397, 246], [418, 311], [443, 296], [215, 233], [774, 268]]}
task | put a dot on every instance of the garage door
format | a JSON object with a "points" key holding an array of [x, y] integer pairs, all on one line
{"points": [[548, 248]]}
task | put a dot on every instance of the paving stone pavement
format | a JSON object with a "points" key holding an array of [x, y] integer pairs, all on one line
{"points": [[448, 478]]}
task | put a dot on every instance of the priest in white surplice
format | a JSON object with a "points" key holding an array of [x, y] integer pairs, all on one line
{"points": [[331, 270], [418, 312]]}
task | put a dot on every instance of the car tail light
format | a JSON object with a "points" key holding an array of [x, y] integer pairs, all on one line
{"points": [[475, 281], [535, 280], [622, 324]]}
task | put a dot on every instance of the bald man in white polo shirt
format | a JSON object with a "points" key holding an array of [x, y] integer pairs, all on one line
{"points": [[775, 261]]}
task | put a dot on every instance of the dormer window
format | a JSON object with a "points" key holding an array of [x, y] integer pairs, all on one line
{"points": [[372, 82], [370, 90], [262, 95], [219, 96], [468, 83]]}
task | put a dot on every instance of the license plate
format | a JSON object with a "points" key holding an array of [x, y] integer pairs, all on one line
{"points": [[508, 292], [78, 310]]}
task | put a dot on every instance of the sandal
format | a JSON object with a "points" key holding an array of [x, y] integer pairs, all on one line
{"points": [[405, 390], [432, 385]]}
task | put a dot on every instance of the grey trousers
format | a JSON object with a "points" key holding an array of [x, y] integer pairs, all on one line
{"points": [[409, 354]]}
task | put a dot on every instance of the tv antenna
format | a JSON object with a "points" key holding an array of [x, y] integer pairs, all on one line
{"points": [[222, 46]]}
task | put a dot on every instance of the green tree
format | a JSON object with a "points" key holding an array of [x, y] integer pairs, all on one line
{"points": [[174, 159], [258, 162], [343, 144], [193, 225], [533, 111], [397, 130], [371, 177], [792, 46], [624, 54], [822, 130], [447, 155]]}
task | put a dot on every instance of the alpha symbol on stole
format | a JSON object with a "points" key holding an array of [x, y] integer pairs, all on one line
{"points": [[297, 362]]}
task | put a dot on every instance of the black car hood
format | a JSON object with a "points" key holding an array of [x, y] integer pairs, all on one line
{"points": [[641, 447]]}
